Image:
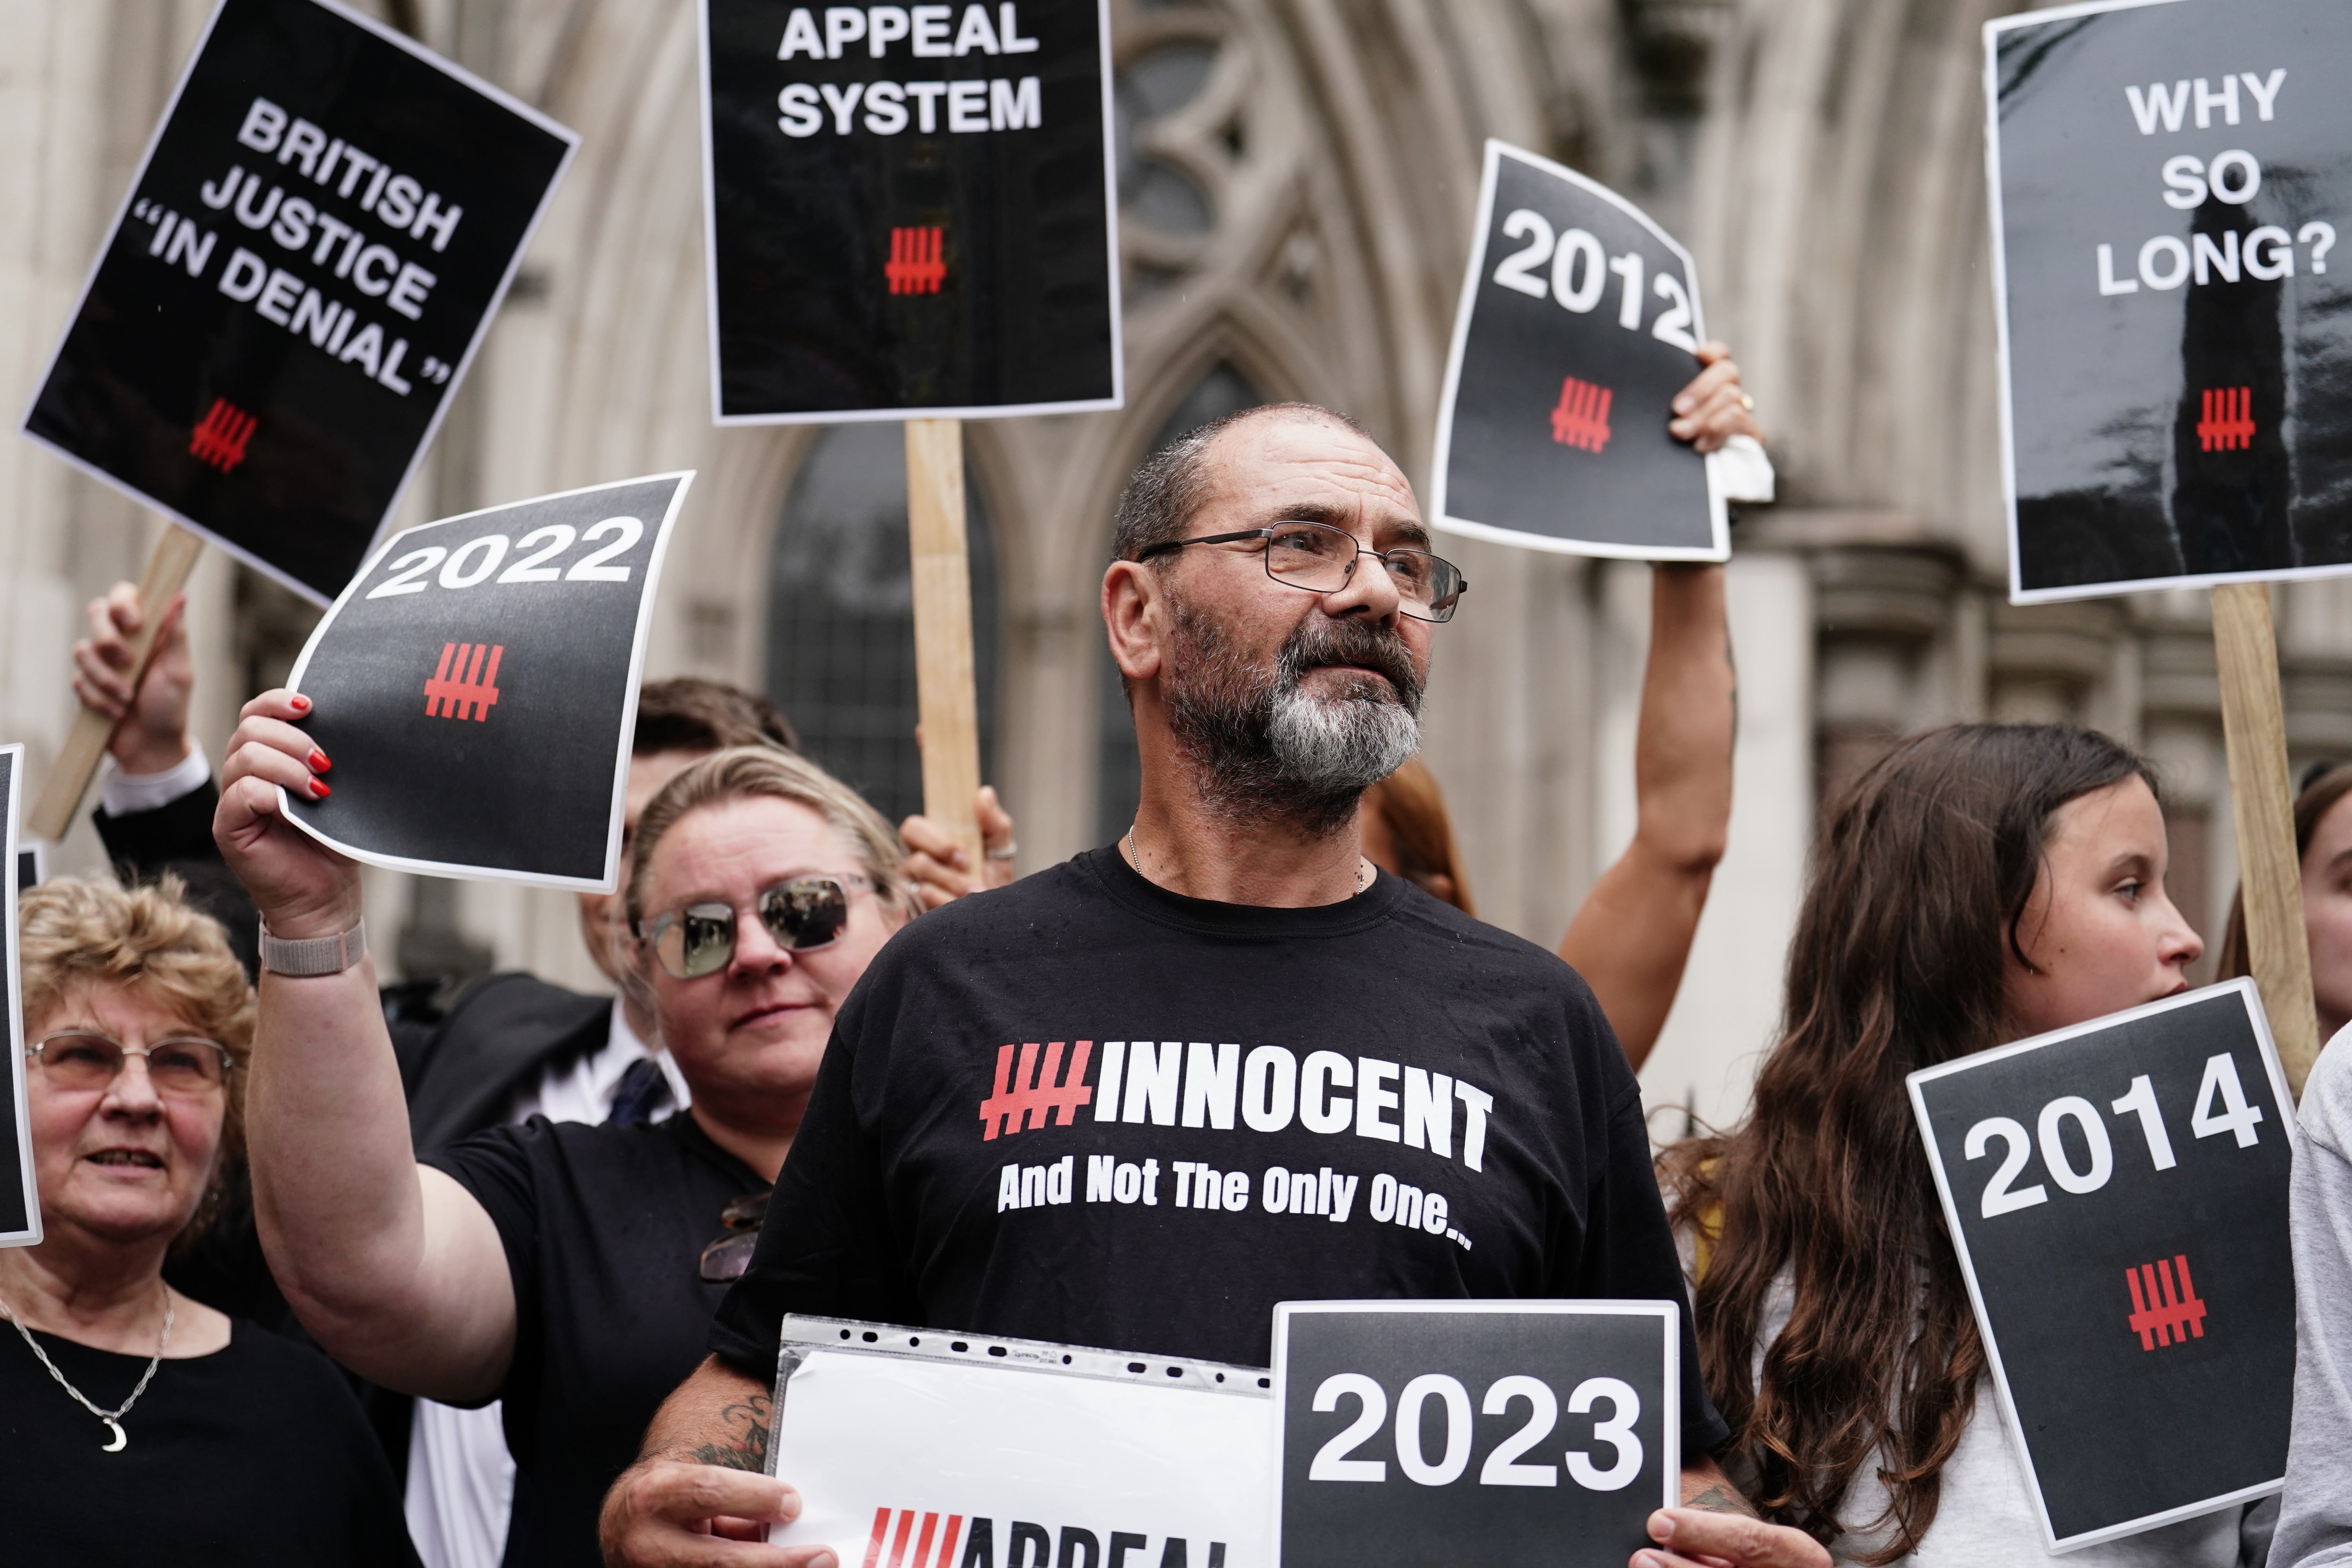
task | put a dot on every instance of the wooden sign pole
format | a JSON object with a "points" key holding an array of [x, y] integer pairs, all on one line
{"points": [[943, 658], [2261, 798], [168, 566]]}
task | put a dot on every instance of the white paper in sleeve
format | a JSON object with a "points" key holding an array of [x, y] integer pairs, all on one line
{"points": [[928, 1448]]}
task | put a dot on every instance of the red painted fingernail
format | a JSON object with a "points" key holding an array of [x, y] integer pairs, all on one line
{"points": [[319, 790], [299, 704], [319, 763]]}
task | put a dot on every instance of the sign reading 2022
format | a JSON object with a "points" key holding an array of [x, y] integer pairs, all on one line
{"points": [[2220, 1108], [471, 563], [2233, 177]]}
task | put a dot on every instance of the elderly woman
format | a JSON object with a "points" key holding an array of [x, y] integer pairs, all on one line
{"points": [[136, 1424], [570, 1270]]}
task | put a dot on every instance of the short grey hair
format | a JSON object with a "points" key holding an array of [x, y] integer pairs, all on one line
{"points": [[1160, 501]]}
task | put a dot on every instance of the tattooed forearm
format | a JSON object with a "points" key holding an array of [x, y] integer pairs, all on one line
{"points": [[1719, 1497], [746, 1448]]}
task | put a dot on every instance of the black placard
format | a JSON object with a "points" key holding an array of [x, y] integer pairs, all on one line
{"points": [[1579, 323], [1428, 1434], [290, 292], [2167, 182], [910, 210], [2118, 1194], [476, 689], [20, 1202]]}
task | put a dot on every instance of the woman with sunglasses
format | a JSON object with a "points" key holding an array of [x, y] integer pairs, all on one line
{"points": [[569, 1270], [136, 1424]]}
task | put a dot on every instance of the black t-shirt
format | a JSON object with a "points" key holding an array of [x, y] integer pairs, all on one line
{"points": [[253, 1455], [604, 1229], [1086, 1109]]}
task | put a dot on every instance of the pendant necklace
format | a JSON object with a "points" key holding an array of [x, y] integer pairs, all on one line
{"points": [[1363, 866], [113, 1418]]}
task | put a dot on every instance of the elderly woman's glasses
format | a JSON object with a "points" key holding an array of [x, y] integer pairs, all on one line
{"points": [[802, 914], [1318, 558], [79, 1060]]}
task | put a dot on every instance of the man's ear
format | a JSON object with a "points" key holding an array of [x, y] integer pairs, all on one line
{"points": [[1133, 604]]}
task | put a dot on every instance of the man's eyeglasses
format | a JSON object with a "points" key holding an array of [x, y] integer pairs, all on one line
{"points": [[802, 915], [79, 1060], [1318, 558], [729, 1257]]}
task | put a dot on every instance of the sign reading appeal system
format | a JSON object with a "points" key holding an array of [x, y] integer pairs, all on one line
{"points": [[300, 273], [1580, 321], [2118, 1194], [1516, 1433], [20, 1204], [910, 208], [2167, 182], [476, 688], [922, 1448]]}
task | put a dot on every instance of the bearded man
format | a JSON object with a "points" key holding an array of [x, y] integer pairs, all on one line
{"points": [[1062, 1110]]}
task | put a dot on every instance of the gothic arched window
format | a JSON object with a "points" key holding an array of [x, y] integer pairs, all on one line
{"points": [[841, 621], [1120, 780]]}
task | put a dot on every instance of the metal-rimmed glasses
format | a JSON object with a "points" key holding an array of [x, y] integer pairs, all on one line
{"points": [[729, 1258], [75, 1061], [1320, 558], [801, 913]]}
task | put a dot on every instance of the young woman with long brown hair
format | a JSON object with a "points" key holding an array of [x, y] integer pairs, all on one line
{"points": [[1980, 884]]}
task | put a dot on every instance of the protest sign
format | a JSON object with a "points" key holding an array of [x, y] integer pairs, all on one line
{"points": [[2167, 182], [20, 1202], [1576, 1437], [924, 1448], [1580, 320], [910, 210], [475, 688], [2117, 1192], [294, 283]]}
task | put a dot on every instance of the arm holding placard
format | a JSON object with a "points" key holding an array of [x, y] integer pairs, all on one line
{"points": [[703, 1473], [394, 1269], [1631, 937]]}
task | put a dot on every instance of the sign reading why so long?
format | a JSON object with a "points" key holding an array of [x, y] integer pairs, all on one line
{"points": [[2167, 184], [1580, 320], [910, 210], [476, 688], [20, 1204], [294, 286], [923, 1449], [2118, 1194], [1516, 1433]]}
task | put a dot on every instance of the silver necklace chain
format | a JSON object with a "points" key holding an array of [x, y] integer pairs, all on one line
{"points": [[1363, 866], [113, 1418]]}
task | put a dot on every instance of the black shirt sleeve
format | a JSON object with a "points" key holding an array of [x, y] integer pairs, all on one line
{"points": [[828, 1247], [496, 1167], [1629, 1255]]}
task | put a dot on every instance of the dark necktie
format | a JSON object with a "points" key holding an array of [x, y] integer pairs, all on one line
{"points": [[643, 1092]]}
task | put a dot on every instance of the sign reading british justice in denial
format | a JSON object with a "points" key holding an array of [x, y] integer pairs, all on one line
{"points": [[294, 283], [1425, 1434], [1579, 323], [910, 210], [475, 689], [2167, 184], [2117, 1192], [934, 1448]]}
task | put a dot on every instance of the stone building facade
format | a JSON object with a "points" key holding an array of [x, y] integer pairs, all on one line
{"points": [[1296, 180]]}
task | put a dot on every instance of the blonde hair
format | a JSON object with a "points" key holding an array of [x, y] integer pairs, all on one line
{"points": [[748, 772], [149, 940]]}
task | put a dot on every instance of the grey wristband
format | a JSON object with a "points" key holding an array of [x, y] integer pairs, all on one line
{"points": [[314, 956]]}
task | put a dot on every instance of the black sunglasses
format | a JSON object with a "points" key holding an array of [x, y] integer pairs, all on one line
{"points": [[730, 1257], [802, 914]]}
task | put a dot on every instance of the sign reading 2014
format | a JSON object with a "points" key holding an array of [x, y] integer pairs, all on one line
{"points": [[910, 210]]}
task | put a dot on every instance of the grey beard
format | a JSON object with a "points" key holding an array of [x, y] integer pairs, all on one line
{"points": [[1261, 746]]}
